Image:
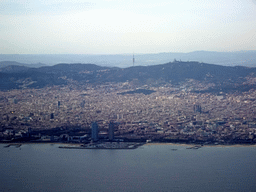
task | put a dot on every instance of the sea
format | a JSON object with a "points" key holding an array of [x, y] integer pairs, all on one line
{"points": [[150, 168]]}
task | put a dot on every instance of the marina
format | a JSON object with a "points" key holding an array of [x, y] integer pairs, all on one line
{"points": [[14, 145], [107, 145]]}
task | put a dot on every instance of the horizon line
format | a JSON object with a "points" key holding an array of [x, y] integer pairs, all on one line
{"points": [[121, 53]]}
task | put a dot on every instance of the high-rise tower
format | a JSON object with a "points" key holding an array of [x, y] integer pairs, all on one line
{"points": [[95, 131], [111, 130]]}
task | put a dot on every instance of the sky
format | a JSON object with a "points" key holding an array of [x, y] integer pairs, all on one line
{"points": [[126, 26]]}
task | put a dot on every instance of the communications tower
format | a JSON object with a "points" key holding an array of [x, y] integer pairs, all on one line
{"points": [[133, 60]]}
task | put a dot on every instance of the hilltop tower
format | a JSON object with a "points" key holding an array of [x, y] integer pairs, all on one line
{"points": [[133, 60]]}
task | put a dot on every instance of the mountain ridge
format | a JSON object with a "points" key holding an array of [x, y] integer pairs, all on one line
{"points": [[244, 58], [15, 63], [173, 72]]}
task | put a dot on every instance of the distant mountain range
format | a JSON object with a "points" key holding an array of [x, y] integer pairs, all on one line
{"points": [[14, 63], [224, 77], [241, 58]]}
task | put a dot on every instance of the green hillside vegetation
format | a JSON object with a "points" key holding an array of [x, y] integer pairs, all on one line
{"points": [[224, 77]]}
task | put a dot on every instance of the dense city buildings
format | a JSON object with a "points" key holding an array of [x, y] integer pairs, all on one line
{"points": [[168, 113]]}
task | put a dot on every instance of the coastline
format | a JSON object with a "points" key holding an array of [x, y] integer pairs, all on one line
{"points": [[193, 145], [78, 145]]}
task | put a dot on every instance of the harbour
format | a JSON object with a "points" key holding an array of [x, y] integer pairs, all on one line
{"points": [[107, 145]]}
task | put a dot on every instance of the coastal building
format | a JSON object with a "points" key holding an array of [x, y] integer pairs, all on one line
{"points": [[111, 130], [95, 131]]}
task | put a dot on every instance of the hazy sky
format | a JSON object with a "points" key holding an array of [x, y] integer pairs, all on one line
{"points": [[126, 26]]}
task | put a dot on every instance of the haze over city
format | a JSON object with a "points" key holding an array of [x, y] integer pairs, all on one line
{"points": [[118, 27]]}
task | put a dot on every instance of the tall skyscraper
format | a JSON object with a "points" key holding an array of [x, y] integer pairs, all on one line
{"points": [[95, 131], [111, 130]]}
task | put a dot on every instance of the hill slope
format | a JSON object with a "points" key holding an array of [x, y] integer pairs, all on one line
{"points": [[175, 72]]}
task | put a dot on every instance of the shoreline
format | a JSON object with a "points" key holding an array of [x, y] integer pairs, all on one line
{"points": [[207, 145], [67, 145]]}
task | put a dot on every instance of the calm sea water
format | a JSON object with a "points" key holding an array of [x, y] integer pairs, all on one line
{"points": [[45, 167]]}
